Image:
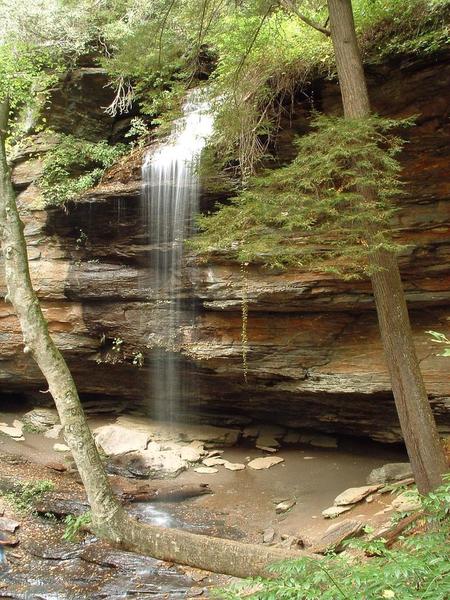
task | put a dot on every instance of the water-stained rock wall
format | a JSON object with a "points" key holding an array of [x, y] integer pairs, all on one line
{"points": [[315, 358]]}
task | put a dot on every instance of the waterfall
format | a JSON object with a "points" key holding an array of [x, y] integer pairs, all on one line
{"points": [[170, 202]]}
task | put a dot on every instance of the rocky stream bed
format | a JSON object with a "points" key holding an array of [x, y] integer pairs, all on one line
{"points": [[262, 484]]}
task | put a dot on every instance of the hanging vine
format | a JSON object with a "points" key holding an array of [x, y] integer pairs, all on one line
{"points": [[244, 309]]}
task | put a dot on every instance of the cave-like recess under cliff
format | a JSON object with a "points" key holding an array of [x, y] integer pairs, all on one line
{"points": [[315, 357]]}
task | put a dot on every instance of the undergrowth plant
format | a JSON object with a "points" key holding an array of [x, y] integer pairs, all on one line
{"points": [[25, 497], [417, 568], [74, 166], [74, 525]]}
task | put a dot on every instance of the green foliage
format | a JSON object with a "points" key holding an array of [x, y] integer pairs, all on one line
{"points": [[138, 132], [418, 568], [261, 54], [25, 498], [441, 338], [75, 524], [74, 166], [311, 213], [267, 55], [390, 27]]}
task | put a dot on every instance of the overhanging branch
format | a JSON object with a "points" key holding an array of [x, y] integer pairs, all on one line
{"points": [[290, 6]]}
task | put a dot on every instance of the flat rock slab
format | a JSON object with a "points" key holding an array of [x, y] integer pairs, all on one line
{"points": [[354, 495], [8, 525], [13, 432], [284, 506], [318, 440], [390, 473], [233, 466], [6, 539], [267, 441], [61, 551], [335, 511], [265, 462], [336, 534], [213, 461], [56, 466], [116, 439], [406, 502], [61, 448], [206, 470], [266, 448]]}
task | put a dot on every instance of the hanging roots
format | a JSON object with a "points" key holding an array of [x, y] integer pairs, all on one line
{"points": [[123, 99], [244, 331]]}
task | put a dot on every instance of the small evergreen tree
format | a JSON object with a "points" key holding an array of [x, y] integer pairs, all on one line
{"points": [[311, 213]]}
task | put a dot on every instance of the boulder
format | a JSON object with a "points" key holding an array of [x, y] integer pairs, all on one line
{"points": [[8, 525], [54, 432], [115, 439], [181, 432], [390, 472], [41, 419], [191, 454], [268, 535], [156, 463]]}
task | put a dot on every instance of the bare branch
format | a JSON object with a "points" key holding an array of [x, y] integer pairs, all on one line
{"points": [[161, 32], [252, 43], [290, 6]]}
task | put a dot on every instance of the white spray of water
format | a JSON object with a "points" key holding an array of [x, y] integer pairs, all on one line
{"points": [[171, 198]]}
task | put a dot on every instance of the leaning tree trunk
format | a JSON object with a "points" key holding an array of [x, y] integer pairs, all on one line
{"points": [[110, 521], [414, 411]]}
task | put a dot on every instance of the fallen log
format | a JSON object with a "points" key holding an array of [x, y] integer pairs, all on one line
{"points": [[164, 492], [391, 533], [61, 505]]}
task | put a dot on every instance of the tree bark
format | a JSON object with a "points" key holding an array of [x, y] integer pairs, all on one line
{"points": [[413, 407], [110, 521]]}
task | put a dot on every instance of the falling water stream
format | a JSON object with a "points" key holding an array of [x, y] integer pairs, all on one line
{"points": [[170, 204]]}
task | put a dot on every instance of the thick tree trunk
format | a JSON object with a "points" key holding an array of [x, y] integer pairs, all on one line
{"points": [[110, 521], [416, 419]]}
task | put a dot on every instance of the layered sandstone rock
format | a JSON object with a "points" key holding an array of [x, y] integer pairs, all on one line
{"points": [[315, 358]]}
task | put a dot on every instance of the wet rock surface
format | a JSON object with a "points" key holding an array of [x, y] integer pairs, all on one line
{"points": [[91, 570]]}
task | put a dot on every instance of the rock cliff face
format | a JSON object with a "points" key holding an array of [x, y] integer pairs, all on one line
{"points": [[315, 358]]}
